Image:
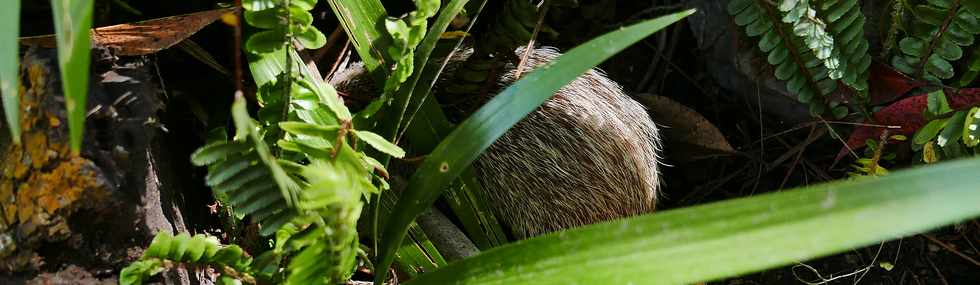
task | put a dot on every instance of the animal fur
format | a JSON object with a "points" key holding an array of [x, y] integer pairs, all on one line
{"points": [[587, 155]]}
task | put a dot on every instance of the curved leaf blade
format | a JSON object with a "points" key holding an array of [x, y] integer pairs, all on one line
{"points": [[9, 29], [72, 21], [380, 143], [770, 230], [477, 133]]}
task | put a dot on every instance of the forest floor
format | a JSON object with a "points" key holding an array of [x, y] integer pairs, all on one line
{"points": [[774, 151]]}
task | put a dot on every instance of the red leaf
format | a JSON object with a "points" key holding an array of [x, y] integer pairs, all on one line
{"points": [[887, 84], [907, 115]]}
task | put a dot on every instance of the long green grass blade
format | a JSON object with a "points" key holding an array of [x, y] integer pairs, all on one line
{"points": [[363, 20], [9, 29], [72, 21], [477, 133], [732, 237], [432, 126]]}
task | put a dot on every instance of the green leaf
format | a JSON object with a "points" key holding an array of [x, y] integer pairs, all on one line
{"points": [[266, 41], [380, 143], [9, 79], [939, 67], [736, 6], [303, 4], [695, 244], [363, 20], [258, 5], [930, 15], [953, 130], [311, 38], [266, 19], [160, 246], [266, 67], [912, 46], [967, 20], [491, 121], [215, 151], [949, 50], [313, 130], [972, 6], [929, 131], [244, 124], [941, 3], [972, 69], [971, 127], [936, 104], [72, 21], [137, 272], [407, 98]]}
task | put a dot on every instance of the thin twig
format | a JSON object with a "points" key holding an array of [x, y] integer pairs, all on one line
{"points": [[799, 153], [530, 43], [950, 248], [336, 62], [939, 273], [882, 142], [331, 40]]}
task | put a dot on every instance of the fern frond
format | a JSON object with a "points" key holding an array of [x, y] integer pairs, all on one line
{"points": [[325, 250], [250, 190], [251, 183], [972, 68], [511, 29], [897, 21], [199, 250], [942, 27], [796, 64], [216, 151], [812, 30], [846, 25]]}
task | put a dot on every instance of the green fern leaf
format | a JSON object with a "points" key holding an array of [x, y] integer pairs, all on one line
{"points": [[807, 26], [197, 250], [972, 69], [941, 29], [314, 130], [846, 25], [215, 151], [253, 183], [793, 60]]}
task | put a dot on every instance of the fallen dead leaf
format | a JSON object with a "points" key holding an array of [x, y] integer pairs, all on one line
{"points": [[687, 135], [146, 37], [906, 115]]}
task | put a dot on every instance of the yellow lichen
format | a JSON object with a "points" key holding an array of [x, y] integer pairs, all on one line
{"points": [[41, 183]]}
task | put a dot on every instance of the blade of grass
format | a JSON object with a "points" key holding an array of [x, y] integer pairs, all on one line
{"points": [[9, 79], [477, 133], [418, 256], [428, 128], [470, 209], [478, 222], [734, 237], [363, 20], [72, 21]]}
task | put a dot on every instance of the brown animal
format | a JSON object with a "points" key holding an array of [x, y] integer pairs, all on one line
{"points": [[587, 155]]}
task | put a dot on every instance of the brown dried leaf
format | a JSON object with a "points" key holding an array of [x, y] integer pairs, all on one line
{"points": [[687, 135], [144, 37]]}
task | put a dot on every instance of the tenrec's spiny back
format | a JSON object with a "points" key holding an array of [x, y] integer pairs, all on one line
{"points": [[587, 155]]}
